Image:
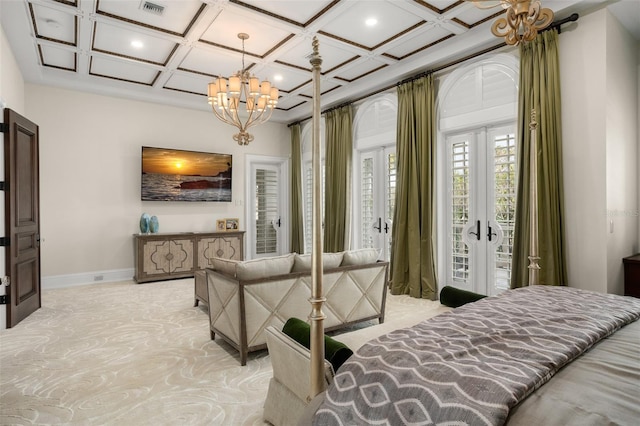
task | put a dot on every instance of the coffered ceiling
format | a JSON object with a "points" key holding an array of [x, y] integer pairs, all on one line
{"points": [[168, 50]]}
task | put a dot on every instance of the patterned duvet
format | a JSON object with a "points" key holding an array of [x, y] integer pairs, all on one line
{"points": [[473, 364]]}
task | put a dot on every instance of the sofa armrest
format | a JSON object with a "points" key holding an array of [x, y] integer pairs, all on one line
{"points": [[225, 306], [291, 363]]}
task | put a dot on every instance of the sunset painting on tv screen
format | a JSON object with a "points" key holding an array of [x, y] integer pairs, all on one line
{"points": [[178, 175]]}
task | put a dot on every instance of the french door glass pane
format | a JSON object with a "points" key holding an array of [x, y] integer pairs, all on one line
{"points": [[266, 211], [366, 202], [504, 204], [459, 256], [391, 193], [308, 207], [308, 203]]}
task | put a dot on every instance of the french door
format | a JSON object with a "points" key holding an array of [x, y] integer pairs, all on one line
{"points": [[376, 173], [267, 235], [22, 218], [480, 208]]}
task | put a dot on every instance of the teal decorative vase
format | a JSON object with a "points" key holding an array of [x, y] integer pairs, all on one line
{"points": [[154, 225], [144, 223]]}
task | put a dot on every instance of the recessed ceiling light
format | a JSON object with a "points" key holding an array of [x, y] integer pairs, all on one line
{"points": [[137, 44], [277, 77], [370, 22]]}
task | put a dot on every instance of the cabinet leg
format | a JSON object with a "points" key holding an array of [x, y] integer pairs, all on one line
{"points": [[213, 334], [195, 303]]}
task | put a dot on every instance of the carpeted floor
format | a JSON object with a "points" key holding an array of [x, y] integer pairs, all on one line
{"points": [[130, 354]]}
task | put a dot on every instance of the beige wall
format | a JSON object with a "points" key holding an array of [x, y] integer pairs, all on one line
{"points": [[600, 105], [11, 81], [622, 150], [90, 175]]}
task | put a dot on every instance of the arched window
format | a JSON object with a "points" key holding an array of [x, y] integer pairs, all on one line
{"points": [[477, 111], [374, 172]]}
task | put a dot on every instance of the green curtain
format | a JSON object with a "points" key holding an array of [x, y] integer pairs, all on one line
{"points": [[413, 263], [540, 90], [337, 203], [297, 220]]}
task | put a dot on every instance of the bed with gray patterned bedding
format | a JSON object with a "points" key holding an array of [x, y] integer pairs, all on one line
{"points": [[474, 364]]}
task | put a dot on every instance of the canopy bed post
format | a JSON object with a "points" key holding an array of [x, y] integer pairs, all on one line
{"points": [[316, 317], [534, 267]]}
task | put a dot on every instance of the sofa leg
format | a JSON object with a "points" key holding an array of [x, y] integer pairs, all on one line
{"points": [[243, 358]]}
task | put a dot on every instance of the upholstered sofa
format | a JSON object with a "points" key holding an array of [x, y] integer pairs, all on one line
{"points": [[245, 297]]}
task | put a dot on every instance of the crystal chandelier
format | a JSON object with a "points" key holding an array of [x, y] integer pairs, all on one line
{"points": [[522, 21], [227, 95]]}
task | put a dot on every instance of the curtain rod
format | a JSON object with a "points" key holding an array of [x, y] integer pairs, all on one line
{"points": [[571, 18], [337, 106], [556, 25]]}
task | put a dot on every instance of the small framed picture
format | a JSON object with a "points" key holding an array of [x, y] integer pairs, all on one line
{"points": [[232, 224], [221, 225]]}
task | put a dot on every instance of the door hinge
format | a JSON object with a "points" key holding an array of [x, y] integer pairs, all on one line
{"points": [[4, 127], [3, 300], [4, 242], [2, 186]]}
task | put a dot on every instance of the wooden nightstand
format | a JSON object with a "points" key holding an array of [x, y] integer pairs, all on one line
{"points": [[632, 275]]}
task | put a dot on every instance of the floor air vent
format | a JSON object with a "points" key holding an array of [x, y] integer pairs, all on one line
{"points": [[156, 9]]}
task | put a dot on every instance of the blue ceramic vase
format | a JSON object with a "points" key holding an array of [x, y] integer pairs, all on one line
{"points": [[144, 223], [154, 225]]}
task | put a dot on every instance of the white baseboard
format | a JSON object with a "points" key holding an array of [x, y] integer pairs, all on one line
{"points": [[95, 277]]}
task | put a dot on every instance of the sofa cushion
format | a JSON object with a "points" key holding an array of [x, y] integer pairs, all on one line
{"points": [[264, 267], [302, 262], [361, 256], [225, 266]]}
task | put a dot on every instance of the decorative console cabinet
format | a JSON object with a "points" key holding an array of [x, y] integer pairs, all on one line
{"points": [[168, 256]]}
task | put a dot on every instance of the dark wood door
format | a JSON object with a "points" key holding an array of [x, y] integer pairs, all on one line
{"points": [[22, 216]]}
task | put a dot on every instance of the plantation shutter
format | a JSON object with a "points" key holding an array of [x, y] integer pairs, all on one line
{"points": [[267, 215], [308, 195]]}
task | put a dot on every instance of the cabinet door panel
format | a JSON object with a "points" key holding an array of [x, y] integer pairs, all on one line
{"points": [[181, 255], [227, 247], [157, 257]]}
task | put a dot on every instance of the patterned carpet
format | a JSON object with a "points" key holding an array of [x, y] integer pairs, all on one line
{"points": [[129, 354]]}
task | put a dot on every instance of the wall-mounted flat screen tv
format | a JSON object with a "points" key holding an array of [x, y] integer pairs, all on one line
{"points": [[179, 175]]}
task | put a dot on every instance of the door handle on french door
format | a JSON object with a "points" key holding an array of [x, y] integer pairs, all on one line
{"points": [[277, 222], [490, 232], [477, 233], [379, 227]]}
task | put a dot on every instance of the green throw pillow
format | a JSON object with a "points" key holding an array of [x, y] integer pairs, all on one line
{"points": [[453, 297], [335, 352]]}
